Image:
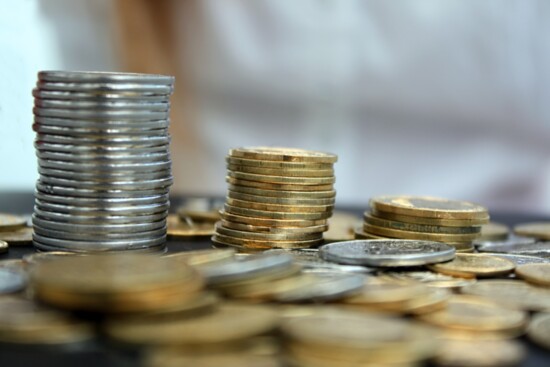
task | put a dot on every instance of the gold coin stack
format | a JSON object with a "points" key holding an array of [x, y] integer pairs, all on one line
{"points": [[277, 198], [456, 223]]}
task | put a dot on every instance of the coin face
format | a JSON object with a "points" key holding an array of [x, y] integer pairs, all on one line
{"points": [[387, 253], [535, 273], [9, 222], [480, 353], [539, 330], [431, 207], [539, 230], [475, 265], [283, 154]]}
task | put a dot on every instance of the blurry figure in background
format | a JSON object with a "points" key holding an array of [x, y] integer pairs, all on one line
{"points": [[425, 97]]}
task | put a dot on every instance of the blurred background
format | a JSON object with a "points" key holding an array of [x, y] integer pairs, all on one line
{"points": [[446, 98]]}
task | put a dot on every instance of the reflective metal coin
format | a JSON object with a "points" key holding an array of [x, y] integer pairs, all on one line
{"points": [[178, 228], [83, 150], [247, 212], [329, 194], [99, 96], [92, 114], [102, 235], [103, 127], [18, 237], [271, 222], [91, 219], [428, 278], [113, 185], [262, 163], [91, 193], [102, 105], [283, 154], [535, 273], [540, 249], [310, 259], [279, 201], [265, 244], [523, 259], [283, 172], [425, 236], [325, 287], [127, 155], [11, 280], [429, 221], [220, 229], [387, 253], [9, 222], [475, 265], [99, 140], [486, 245], [103, 77], [48, 243], [100, 210], [278, 186], [282, 180], [111, 202], [540, 230], [95, 166], [103, 87], [273, 230], [98, 229], [494, 231], [413, 227]]}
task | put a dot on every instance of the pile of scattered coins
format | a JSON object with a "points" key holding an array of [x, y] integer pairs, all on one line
{"points": [[457, 223], [277, 198]]}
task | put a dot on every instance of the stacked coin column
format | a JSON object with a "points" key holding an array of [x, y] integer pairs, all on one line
{"points": [[277, 198], [104, 164]]}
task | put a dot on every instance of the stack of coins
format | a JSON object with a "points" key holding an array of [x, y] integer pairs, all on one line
{"points": [[457, 223], [277, 198], [103, 155]]}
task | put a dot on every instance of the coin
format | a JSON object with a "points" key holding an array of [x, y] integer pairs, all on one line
{"points": [[117, 96], [220, 229], [512, 293], [102, 76], [270, 222], [429, 221], [494, 231], [199, 210], [256, 213], [279, 208], [178, 228], [428, 278], [273, 230], [283, 172], [323, 287], [535, 273], [11, 280], [49, 243], [483, 245], [107, 105], [341, 227], [310, 259], [10, 222], [105, 87], [387, 253], [279, 201], [330, 194], [379, 293], [172, 358], [480, 353], [475, 265], [265, 244], [539, 330], [34, 258], [282, 180], [523, 259], [541, 249], [19, 237], [397, 233], [430, 207], [412, 227], [262, 163], [282, 154], [278, 186], [540, 230], [204, 257], [479, 315]]}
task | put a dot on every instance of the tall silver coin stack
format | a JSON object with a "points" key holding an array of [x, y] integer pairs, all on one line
{"points": [[104, 164]]}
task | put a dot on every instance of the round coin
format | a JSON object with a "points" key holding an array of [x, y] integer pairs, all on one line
{"points": [[494, 231], [220, 229], [387, 253], [19, 237], [103, 96], [413, 227], [480, 353], [524, 259], [539, 330], [429, 221], [273, 230], [262, 163], [310, 259], [324, 287], [266, 244], [540, 230], [103, 77], [475, 265], [271, 222], [430, 207], [535, 273], [282, 154], [10, 222]]}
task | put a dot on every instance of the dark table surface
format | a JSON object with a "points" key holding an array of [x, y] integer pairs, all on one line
{"points": [[100, 353]]}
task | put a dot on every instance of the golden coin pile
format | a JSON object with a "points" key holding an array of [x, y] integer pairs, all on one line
{"points": [[456, 223], [277, 198]]}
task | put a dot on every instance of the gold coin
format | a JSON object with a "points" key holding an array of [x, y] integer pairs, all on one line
{"points": [[480, 353], [10, 222], [3, 246], [479, 315], [262, 163], [535, 273], [412, 227], [256, 213], [475, 265], [540, 230], [263, 291], [265, 244], [362, 235], [286, 172], [280, 208], [177, 358], [203, 257], [512, 293], [397, 233], [283, 154], [271, 222], [429, 221], [539, 330], [459, 246], [494, 231], [427, 278], [282, 180], [199, 210], [430, 207], [341, 227], [230, 322], [378, 293], [178, 228], [276, 186], [310, 195], [19, 237], [273, 230], [279, 201], [266, 236]]}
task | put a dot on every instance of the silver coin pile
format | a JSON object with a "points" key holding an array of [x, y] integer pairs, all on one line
{"points": [[104, 164]]}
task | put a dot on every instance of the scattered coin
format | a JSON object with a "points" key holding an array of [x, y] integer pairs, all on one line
{"points": [[387, 253], [10, 222], [487, 245], [428, 278], [19, 237], [177, 228], [535, 273], [475, 265], [204, 257], [494, 231], [540, 249], [341, 227], [523, 259], [539, 330], [310, 259], [540, 230], [414, 227], [480, 353], [324, 287]]}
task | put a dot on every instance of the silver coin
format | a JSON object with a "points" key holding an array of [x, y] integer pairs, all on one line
{"points": [[512, 240], [128, 228], [53, 244], [11, 280], [85, 151], [104, 176], [102, 140], [100, 210], [100, 96], [310, 259], [115, 185], [107, 166], [144, 200], [136, 115], [106, 87], [105, 124], [540, 249], [387, 252], [97, 220], [93, 236], [91, 193], [97, 131], [244, 268], [102, 105], [103, 77], [524, 259], [123, 156], [326, 287]]}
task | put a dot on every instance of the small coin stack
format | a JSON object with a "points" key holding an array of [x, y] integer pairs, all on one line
{"points": [[103, 155], [457, 223], [277, 198]]}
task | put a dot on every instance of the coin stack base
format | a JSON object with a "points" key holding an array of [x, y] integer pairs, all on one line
{"points": [[277, 198], [102, 145], [457, 223]]}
